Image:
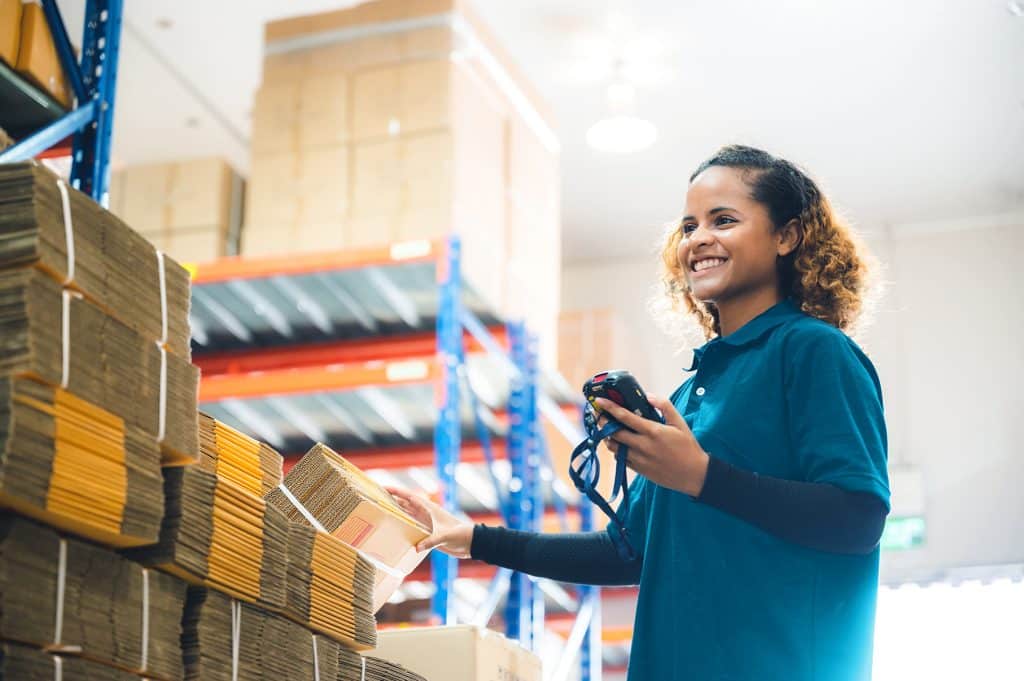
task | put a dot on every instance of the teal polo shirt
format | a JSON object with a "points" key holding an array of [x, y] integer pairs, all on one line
{"points": [[789, 396]]}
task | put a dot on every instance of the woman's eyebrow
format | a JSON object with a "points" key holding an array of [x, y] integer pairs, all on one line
{"points": [[713, 211]]}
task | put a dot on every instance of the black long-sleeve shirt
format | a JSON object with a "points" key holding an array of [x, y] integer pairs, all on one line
{"points": [[816, 515]]}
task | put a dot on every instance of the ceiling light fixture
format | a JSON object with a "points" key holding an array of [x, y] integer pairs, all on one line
{"points": [[621, 131], [1016, 7]]}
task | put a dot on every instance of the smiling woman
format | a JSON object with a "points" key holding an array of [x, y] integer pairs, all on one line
{"points": [[758, 504]]}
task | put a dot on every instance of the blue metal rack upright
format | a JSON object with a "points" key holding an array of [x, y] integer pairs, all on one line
{"points": [[93, 81]]}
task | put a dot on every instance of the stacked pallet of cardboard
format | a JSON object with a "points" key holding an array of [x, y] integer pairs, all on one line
{"points": [[332, 495], [96, 389], [216, 533], [255, 466], [367, 131], [22, 663], [191, 210], [70, 596]]}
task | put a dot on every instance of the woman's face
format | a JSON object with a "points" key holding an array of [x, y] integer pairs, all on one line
{"points": [[728, 248]]}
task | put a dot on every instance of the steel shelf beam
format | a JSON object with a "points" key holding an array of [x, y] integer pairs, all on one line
{"points": [[41, 123]]}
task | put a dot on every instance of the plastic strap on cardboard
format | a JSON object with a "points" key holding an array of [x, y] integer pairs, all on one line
{"points": [[236, 636], [69, 230]]}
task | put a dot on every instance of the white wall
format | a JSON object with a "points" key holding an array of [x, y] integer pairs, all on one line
{"points": [[946, 340]]}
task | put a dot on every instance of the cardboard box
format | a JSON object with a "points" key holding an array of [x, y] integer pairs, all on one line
{"points": [[37, 55], [10, 30], [406, 98], [458, 653]]}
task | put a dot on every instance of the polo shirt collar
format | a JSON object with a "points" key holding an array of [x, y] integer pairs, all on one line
{"points": [[782, 311]]}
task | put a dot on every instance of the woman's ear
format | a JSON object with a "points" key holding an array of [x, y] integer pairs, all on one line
{"points": [[788, 238]]}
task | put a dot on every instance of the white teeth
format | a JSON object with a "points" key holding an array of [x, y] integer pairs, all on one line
{"points": [[705, 264]]}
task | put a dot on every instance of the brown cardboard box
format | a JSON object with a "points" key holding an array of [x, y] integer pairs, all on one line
{"points": [[407, 98], [458, 653], [10, 30], [37, 55]]}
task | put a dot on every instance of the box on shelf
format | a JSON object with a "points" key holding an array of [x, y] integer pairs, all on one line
{"points": [[37, 54], [191, 210], [458, 653], [10, 30], [443, 136]]}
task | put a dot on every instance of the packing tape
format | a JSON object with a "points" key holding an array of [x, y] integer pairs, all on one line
{"points": [[62, 573], [236, 635], [302, 509], [65, 336], [162, 413], [145, 621], [316, 660], [69, 230], [162, 269]]}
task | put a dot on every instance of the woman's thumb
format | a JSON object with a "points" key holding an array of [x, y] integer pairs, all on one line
{"points": [[668, 410], [432, 541]]}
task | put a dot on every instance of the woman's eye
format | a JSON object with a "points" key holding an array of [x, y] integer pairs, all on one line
{"points": [[687, 228], [724, 220]]}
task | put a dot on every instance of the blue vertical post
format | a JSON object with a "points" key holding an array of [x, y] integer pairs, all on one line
{"points": [[448, 432], [535, 481], [101, 45], [590, 651], [519, 604]]}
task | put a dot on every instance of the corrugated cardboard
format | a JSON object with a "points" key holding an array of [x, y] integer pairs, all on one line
{"points": [[458, 653], [37, 55], [10, 30]]}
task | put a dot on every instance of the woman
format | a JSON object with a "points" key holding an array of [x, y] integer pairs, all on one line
{"points": [[757, 507]]}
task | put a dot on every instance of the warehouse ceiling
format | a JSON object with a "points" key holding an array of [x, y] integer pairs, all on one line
{"points": [[909, 112]]}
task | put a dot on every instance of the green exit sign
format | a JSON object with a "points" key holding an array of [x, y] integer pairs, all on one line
{"points": [[902, 533]]}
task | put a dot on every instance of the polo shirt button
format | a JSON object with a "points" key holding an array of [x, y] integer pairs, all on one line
{"points": [[701, 391]]}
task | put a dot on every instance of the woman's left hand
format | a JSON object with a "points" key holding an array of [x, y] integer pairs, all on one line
{"points": [[666, 454]]}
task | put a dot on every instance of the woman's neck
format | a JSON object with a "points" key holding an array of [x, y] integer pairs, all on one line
{"points": [[734, 313]]}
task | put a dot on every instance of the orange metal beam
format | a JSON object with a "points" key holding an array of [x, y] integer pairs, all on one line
{"points": [[415, 346], [316, 379], [248, 267]]}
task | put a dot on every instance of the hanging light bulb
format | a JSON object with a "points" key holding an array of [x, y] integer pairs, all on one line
{"points": [[621, 131]]}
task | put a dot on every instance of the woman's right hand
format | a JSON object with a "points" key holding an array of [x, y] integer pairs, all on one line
{"points": [[447, 532]]}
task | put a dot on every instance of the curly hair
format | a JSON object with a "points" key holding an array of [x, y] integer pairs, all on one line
{"points": [[827, 274]]}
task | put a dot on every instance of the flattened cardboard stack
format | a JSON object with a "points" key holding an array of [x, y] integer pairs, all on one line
{"points": [[21, 663], [330, 587], [234, 456], [354, 667], [338, 498], [224, 640], [191, 209], [113, 265], [216, 533], [91, 602]]}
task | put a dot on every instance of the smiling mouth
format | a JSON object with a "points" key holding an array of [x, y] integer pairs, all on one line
{"points": [[706, 264]]}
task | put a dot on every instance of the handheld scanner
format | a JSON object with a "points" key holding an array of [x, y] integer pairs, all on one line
{"points": [[621, 388]]}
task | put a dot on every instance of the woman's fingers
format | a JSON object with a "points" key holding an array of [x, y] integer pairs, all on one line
{"points": [[625, 417], [668, 410]]}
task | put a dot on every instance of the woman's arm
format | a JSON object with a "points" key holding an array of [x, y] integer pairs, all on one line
{"points": [[580, 557], [813, 514]]}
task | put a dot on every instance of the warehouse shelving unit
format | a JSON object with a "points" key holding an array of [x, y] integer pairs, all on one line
{"points": [[386, 354], [39, 122]]}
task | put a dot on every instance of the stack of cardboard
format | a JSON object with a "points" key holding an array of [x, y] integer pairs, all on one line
{"points": [[406, 121], [37, 57], [344, 502], [21, 663], [216, 533], [253, 465], [330, 587], [95, 253], [354, 667], [77, 598], [225, 639], [191, 210], [458, 653]]}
